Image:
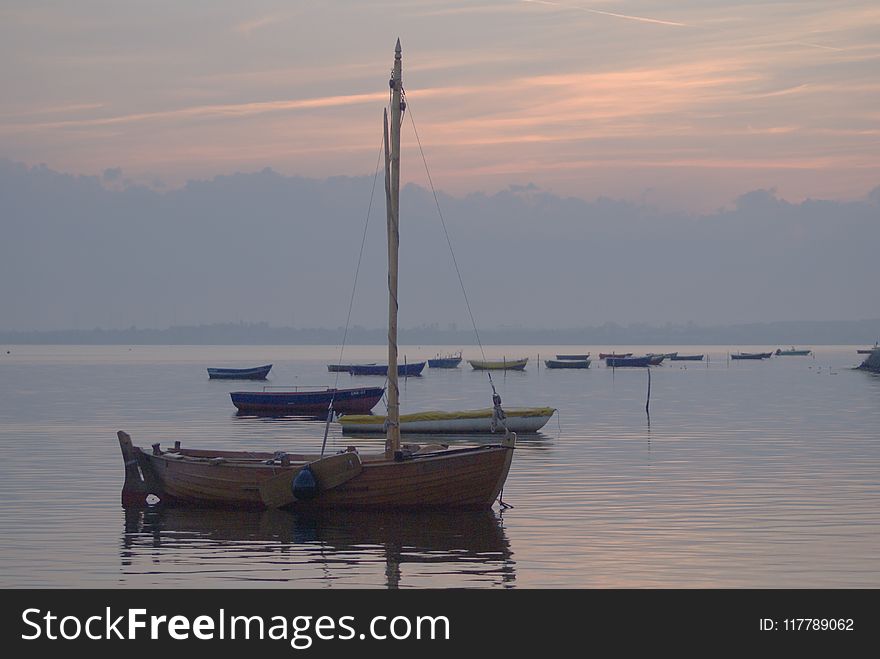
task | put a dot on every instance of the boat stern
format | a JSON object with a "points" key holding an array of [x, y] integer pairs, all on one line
{"points": [[140, 481]]}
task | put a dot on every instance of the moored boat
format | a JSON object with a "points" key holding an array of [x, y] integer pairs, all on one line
{"points": [[447, 361], [687, 358], [255, 373], [460, 479], [519, 420], [406, 370], [574, 357], [401, 477], [872, 363], [498, 365], [307, 401], [567, 363], [751, 355], [793, 352], [655, 360], [618, 362], [614, 355], [343, 368]]}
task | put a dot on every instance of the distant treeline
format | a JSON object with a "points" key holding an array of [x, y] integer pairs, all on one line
{"points": [[794, 333]]}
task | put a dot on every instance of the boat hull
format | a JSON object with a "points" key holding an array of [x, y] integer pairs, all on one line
{"points": [[307, 403], [523, 420], [627, 362], [567, 363], [687, 358], [872, 363], [606, 355], [574, 357], [752, 355], [503, 365], [256, 373], [405, 370], [463, 479], [451, 362], [341, 368]]}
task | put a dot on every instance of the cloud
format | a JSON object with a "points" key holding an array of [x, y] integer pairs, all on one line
{"points": [[112, 174], [247, 28]]}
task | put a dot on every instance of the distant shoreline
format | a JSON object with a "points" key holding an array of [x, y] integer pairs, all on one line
{"points": [[849, 332]]}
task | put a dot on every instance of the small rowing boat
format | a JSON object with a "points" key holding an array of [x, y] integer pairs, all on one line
{"points": [[793, 352], [567, 363], [448, 361], [404, 370], [256, 373], [618, 362], [307, 401], [343, 368], [752, 355], [499, 365], [517, 419]]}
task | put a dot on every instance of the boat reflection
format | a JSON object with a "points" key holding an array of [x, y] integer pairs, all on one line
{"points": [[391, 549], [531, 439]]}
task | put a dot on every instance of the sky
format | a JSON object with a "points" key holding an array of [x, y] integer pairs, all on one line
{"points": [[172, 163], [684, 105]]}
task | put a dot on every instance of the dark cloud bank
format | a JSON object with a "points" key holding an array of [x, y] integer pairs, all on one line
{"points": [[80, 252]]}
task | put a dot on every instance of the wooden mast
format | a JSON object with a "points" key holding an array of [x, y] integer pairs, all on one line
{"points": [[392, 189]]}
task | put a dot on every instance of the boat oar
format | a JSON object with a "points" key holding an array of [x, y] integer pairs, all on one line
{"points": [[326, 473]]}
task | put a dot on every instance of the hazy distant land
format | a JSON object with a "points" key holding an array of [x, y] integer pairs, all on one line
{"points": [[857, 332]]}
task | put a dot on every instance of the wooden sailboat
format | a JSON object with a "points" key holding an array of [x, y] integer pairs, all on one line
{"points": [[403, 477]]}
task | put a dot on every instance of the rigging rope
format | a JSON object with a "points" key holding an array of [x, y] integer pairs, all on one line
{"points": [[360, 258], [351, 300]]}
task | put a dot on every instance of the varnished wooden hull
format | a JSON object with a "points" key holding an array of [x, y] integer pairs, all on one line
{"points": [[469, 478]]}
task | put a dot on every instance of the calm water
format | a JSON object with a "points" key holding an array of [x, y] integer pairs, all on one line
{"points": [[750, 474]]}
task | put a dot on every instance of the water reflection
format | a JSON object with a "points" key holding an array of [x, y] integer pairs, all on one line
{"points": [[536, 440], [392, 549]]}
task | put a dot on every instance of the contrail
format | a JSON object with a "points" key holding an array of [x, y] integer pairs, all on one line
{"points": [[641, 19], [816, 45], [225, 110]]}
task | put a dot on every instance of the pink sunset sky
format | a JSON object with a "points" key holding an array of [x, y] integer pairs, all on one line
{"points": [[685, 105]]}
